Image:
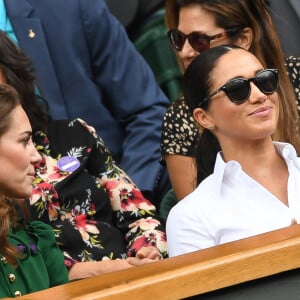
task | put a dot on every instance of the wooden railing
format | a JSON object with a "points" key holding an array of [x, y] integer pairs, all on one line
{"points": [[190, 274]]}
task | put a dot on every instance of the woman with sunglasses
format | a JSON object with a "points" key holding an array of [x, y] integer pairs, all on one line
{"points": [[195, 26], [249, 184]]}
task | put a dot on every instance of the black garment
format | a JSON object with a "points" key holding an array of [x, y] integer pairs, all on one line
{"points": [[94, 208]]}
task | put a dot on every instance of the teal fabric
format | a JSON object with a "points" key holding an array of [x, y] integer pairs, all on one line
{"points": [[5, 24], [168, 201]]}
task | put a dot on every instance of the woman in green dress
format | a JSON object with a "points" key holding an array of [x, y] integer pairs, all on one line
{"points": [[29, 257]]}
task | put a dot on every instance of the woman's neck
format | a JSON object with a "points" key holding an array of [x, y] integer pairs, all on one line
{"points": [[261, 161], [249, 154]]}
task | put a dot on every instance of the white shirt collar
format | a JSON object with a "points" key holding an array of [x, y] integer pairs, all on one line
{"points": [[224, 169]]}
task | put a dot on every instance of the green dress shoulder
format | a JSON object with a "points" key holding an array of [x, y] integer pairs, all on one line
{"points": [[41, 263]]}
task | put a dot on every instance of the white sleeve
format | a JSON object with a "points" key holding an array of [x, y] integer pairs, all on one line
{"points": [[186, 229]]}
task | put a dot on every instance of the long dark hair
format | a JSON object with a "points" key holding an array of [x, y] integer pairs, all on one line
{"points": [[265, 46], [196, 87], [18, 71]]}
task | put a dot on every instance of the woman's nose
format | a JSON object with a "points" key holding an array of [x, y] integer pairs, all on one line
{"points": [[35, 155], [256, 95], [187, 54]]}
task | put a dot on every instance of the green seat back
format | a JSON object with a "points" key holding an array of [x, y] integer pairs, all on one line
{"points": [[152, 42]]}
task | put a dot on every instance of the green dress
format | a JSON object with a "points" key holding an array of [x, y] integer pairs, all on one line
{"points": [[41, 263]]}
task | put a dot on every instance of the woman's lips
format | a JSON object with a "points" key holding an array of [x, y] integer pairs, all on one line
{"points": [[261, 112]]}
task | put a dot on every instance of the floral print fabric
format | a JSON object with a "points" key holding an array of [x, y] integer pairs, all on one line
{"points": [[95, 209]]}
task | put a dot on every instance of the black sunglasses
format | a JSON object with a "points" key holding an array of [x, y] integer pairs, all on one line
{"points": [[238, 89], [199, 41]]}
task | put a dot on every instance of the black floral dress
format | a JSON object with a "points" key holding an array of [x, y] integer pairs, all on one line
{"points": [[180, 131], [94, 208]]}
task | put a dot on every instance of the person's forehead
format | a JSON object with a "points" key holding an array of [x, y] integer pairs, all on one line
{"points": [[235, 63], [195, 18]]}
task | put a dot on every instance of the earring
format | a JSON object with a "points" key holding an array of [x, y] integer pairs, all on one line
{"points": [[211, 127]]}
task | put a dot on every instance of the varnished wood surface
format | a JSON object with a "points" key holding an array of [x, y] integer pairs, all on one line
{"points": [[190, 274]]}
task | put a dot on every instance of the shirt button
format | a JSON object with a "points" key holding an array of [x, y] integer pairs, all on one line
{"points": [[18, 294], [4, 260], [11, 277]]}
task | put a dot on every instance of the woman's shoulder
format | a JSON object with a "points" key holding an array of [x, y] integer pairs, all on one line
{"points": [[292, 60], [204, 195], [179, 107], [40, 230], [65, 134], [179, 130], [32, 234]]}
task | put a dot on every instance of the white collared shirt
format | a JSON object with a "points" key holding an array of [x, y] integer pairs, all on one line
{"points": [[230, 205]]}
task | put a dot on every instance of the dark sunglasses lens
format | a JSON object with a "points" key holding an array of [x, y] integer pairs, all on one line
{"points": [[177, 39], [198, 41], [238, 90], [267, 81]]}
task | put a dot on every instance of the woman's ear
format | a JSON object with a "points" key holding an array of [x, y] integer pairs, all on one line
{"points": [[245, 39], [203, 119]]}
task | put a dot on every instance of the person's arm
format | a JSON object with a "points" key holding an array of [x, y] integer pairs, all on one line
{"points": [[178, 141], [182, 173], [293, 68], [187, 231], [132, 94], [95, 268]]}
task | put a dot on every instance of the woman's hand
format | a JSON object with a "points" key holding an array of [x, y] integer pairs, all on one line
{"points": [[86, 269], [150, 252], [144, 256], [93, 268]]}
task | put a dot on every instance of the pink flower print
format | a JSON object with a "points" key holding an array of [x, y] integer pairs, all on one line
{"points": [[43, 190], [109, 185], [45, 140], [140, 242], [133, 200], [68, 264], [145, 224], [41, 166], [80, 221], [92, 209]]}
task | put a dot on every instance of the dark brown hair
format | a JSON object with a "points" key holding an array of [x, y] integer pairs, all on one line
{"points": [[9, 100], [18, 71]]}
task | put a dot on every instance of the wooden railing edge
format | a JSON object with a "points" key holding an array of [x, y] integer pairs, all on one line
{"points": [[190, 274]]}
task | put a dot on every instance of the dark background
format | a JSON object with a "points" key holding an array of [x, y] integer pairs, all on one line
{"points": [[286, 15]]}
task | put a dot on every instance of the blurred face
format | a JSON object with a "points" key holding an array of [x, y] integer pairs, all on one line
{"points": [[17, 156], [2, 78], [194, 18], [254, 119]]}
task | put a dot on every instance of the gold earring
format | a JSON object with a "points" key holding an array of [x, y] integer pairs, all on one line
{"points": [[211, 127]]}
